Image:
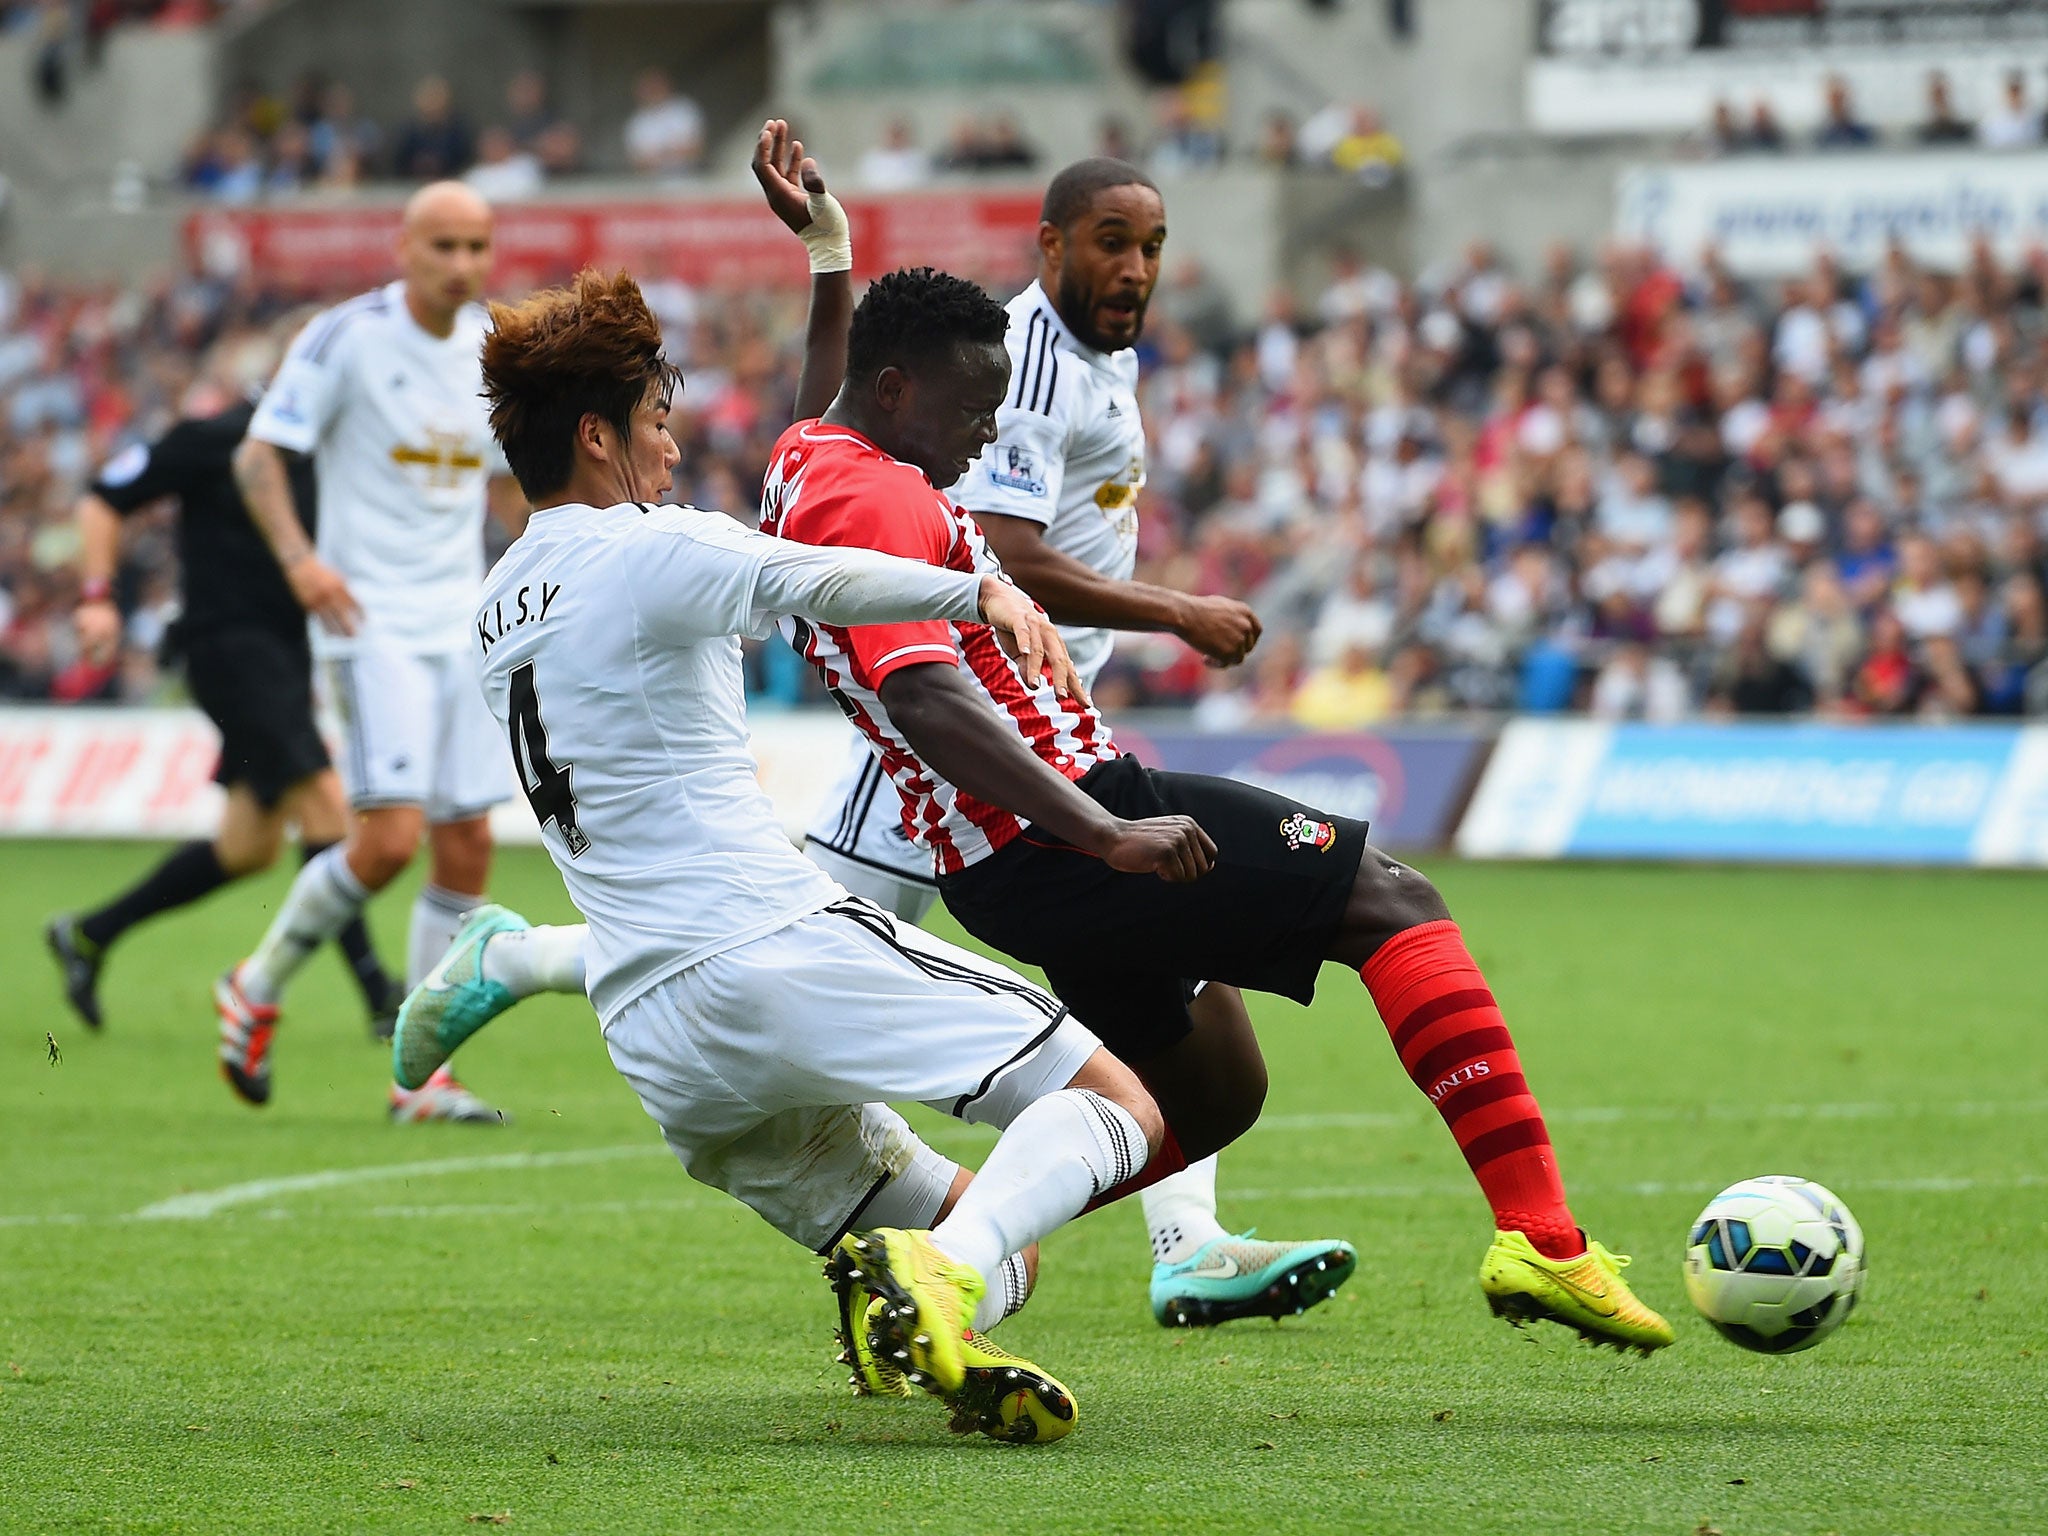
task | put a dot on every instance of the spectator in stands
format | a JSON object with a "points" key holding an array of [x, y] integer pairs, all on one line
{"points": [[1766, 136], [1352, 138], [665, 134], [1279, 140], [1840, 127], [1724, 134], [345, 143], [2012, 124], [1943, 125], [434, 142], [1005, 148], [528, 116], [292, 164], [1184, 142], [988, 144], [236, 176], [503, 172], [896, 163], [1113, 141]]}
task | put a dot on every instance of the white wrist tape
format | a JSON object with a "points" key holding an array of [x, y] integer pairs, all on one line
{"points": [[827, 237]]}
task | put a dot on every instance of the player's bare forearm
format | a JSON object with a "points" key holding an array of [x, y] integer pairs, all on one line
{"points": [[824, 365], [1221, 628], [955, 733], [1074, 593], [267, 493], [99, 539]]}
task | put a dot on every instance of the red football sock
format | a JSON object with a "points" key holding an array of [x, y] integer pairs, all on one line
{"points": [[1453, 1042], [1167, 1161]]}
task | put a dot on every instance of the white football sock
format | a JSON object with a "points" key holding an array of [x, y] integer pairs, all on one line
{"points": [[532, 960], [437, 915], [1055, 1157], [1008, 1289], [1181, 1211], [323, 897]]}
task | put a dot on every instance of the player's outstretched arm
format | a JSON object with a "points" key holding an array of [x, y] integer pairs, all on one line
{"points": [[1221, 628], [953, 731], [795, 190], [267, 493], [97, 618]]}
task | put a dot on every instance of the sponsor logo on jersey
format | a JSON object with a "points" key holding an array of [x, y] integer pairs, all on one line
{"points": [[1305, 832], [1015, 469], [284, 405], [447, 458]]}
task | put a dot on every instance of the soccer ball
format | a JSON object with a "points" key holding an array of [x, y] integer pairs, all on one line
{"points": [[1774, 1263]]}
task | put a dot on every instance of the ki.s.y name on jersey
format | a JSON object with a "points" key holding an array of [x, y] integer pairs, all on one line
{"points": [[528, 605]]}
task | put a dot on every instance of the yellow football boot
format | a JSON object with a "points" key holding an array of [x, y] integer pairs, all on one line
{"points": [[1586, 1293], [871, 1377], [929, 1302], [1008, 1398]]}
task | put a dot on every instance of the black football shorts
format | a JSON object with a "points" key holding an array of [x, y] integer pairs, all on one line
{"points": [[256, 686], [1118, 948]]}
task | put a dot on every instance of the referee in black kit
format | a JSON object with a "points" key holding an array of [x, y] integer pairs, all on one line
{"points": [[243, 638]]}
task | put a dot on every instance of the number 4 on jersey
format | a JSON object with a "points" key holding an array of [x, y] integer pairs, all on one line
{"points": [[546, 785]]}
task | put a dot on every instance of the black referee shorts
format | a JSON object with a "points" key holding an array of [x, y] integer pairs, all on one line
{"points": [[256, 686], [1117, 947]]}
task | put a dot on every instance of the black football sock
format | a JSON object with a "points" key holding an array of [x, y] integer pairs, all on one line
{"points": [[379, 990], [187, 873]]}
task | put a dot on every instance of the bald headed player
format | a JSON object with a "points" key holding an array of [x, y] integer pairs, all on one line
{"points": [[385, 393], [1056, 495]]}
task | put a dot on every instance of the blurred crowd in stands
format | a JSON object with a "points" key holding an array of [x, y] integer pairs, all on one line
{"points": [[271, 146], [2015, 119], [1605, 485]]}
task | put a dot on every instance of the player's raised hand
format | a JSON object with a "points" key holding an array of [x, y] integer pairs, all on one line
{"points": [[1221, 628], [323, 592], [99, 631], [1174, 848], [1030, 639], [788, 177]]}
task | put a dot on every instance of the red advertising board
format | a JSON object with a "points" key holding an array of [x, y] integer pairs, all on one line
{"points": [[714, 242]]}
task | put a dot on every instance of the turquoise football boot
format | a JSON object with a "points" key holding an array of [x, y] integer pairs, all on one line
{"points": [[1231, 1277], [454, 1001]]}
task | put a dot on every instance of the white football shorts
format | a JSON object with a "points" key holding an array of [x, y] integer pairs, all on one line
{"points": [[749, 1060], [857, 838], [416, 731]]}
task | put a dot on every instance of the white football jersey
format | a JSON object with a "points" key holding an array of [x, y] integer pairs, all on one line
{"points": [[401, 441], [608, 641], [1069, 453]]}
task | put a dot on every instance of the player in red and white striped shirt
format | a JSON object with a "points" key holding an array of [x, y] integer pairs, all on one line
{"points": [[829, 485], [1045, 834]]}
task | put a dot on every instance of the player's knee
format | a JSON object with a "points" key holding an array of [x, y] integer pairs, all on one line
{"points": [[248, 853], [462, 855], [1387, 898], [1105, 1075], [379, 850]]}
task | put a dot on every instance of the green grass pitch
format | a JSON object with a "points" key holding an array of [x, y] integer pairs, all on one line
{"points": [[360, 1327]]}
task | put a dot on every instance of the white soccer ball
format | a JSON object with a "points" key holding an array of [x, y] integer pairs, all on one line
{"points": [[1774, 1263]]}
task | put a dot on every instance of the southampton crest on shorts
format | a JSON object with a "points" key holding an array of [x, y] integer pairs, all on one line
{"points": [[1306, 832]]}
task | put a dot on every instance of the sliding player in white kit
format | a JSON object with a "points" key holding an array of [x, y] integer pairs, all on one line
{"points": [[745, 996], [1056, 496], [384, 391]]}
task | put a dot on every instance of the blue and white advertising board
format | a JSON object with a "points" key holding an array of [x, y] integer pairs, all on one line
{"points": [[1769, 792]]}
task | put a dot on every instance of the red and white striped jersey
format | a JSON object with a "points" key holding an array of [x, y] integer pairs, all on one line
{"points": [[829, 485]]}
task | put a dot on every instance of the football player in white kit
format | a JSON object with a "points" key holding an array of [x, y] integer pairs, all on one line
{"points": [[385, 392], [1056, 496], [753, 1005]]}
